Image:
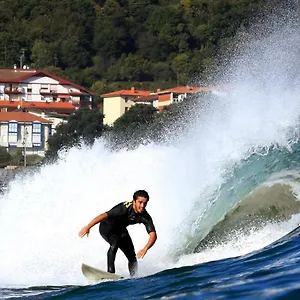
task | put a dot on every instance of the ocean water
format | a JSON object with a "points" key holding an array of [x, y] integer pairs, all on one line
{"points": [[224, 197]]}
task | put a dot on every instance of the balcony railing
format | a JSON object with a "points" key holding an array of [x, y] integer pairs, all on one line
{"points": [[17, 90], [48, 92]]}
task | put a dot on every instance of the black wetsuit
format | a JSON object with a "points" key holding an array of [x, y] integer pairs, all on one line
{"points": [[114, 231]]}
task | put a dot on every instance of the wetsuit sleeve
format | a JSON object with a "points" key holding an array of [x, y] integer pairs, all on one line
{"points": [[147, 221], [117, 211]]}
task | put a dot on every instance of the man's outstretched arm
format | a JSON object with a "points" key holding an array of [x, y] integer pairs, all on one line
{"points": [[86, 229], [151, 242]]}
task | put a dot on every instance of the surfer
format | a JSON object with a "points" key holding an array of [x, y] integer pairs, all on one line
{"points": [[113, 229]]}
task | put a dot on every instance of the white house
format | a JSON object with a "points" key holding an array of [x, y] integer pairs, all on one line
{"points": [[24, 130], [29, 88], [55, 118]]}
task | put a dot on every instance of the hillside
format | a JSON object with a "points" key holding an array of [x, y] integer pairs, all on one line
{"points": [[106, 45]]}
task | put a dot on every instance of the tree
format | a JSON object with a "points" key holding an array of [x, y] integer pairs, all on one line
{"points": [[5, 157], [162, 71], [121, 40], [135, 68], [180, 65], [85, 125], [130, 129], [137, 115], [41, 56]]}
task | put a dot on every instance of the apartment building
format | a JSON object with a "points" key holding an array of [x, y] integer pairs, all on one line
{"points": [[38, 89], [32, 103], [115, 104]]}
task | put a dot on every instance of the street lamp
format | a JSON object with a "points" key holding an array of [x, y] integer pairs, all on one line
{"points": [[24, 143]]}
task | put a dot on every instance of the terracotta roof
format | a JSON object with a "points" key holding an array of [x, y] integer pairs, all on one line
{"points": [[21, 117], [48, 114], [125, 93], [39, 105], [164, 97], [19, 75], [7, 75], [182, 89]]}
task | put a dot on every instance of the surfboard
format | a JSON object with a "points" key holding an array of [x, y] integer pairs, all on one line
{"points": [[94, 274]]}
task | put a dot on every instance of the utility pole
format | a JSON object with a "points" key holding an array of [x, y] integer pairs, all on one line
{"points": [[24, 144], [22, 58]]}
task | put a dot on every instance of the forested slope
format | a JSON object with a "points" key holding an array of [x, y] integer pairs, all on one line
{"points": [[107, 45]]}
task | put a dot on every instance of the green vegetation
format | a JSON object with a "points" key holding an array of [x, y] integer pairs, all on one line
{"points": [[107, 45], [142, 124], [5, 157], [130, 129], [84, 126], [16, 158], [110, 44]]}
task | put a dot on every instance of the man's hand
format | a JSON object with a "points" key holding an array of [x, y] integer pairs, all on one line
{"points": [[84, 231], [150, 243], [141, 253]]}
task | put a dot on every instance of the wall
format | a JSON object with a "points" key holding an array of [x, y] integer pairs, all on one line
{"points": [[27, 138], [113, 108]]}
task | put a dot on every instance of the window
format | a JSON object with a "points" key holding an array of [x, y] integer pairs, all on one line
{"points": [[44, 88], [36, 134], [12, 127], [12, 133], [36, 127], [53, 88]]}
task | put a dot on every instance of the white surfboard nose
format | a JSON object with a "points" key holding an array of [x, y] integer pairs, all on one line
{"points": [[94, 274]]}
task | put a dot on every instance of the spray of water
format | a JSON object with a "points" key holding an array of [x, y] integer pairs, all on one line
{"points": [[42, 213]]}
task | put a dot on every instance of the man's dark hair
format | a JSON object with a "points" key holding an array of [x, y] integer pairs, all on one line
{"points": [[140, 193]]}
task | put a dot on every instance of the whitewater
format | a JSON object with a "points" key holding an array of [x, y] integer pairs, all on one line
{"points": [[223, 194]]}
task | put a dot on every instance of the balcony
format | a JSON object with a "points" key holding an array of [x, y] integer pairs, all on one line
{"points": [[17, 90], [48, 92]]}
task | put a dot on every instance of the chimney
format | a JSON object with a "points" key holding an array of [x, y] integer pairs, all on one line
{"points": [[133, 89], [158, 90]]}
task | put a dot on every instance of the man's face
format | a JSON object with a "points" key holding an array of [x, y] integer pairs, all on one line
{"points": [[140, 204]]}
